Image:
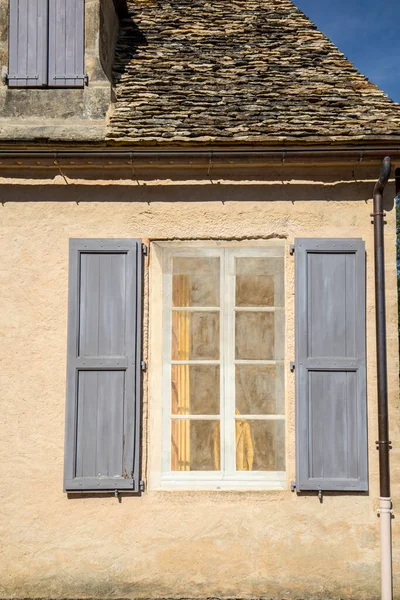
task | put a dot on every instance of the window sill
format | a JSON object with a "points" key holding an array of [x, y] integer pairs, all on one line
{"points": [[209, 481]]}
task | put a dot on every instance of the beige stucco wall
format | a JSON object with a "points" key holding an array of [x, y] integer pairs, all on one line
{"points": [[169, 543]]}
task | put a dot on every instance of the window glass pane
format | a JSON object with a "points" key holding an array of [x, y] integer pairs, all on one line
{"points": [[255, 329], [260, 445], [259, 335], [259, 282], [195, 281], [195, 389], [259, 389], [195, 335], [195, 445]]}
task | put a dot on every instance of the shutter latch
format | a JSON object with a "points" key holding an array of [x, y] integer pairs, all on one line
{"points": [[292, 366], [292, 486], [291, 249]]}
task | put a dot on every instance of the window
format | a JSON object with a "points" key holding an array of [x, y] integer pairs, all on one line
{"points": [[224, 346], [46, 43], [217, 415]]}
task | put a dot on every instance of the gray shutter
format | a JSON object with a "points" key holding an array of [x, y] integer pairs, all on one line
{"points": [[103, 372], [28, 43], [66, 43], [331, 418]]}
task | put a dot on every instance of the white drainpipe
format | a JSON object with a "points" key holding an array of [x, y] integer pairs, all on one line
{"points": [[385, 512]]}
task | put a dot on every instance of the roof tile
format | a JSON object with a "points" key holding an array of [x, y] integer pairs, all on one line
{"points": [[238, 72]]}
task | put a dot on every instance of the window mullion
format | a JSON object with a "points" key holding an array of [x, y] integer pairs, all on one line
{"points": [[228, 346]]}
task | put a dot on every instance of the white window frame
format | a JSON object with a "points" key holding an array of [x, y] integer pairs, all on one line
{"points": [[228, 477]]}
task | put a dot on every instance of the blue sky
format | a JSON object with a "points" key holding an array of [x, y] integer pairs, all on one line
{"points": [[367, 32]]}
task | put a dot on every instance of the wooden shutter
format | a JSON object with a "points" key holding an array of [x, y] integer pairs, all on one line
{"points": [[66, 43], [331, 419], [28, 43], [103, 373]]}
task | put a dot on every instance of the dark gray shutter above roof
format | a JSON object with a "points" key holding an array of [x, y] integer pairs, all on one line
{"points": [[28, 43], [66, 43], [331, 419], [103, 373]]}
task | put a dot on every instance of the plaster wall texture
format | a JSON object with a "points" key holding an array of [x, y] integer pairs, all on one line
{"points": [[170, 543]]}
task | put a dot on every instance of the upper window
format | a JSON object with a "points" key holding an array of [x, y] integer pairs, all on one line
{"points": [[224, 323], [46, 43]]}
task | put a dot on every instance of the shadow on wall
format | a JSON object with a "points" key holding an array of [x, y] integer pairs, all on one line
{"points": [[223, 193]]}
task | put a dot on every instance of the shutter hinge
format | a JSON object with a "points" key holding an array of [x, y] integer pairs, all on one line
{"points": [[143, 365], [292, 486], [292, 366], [141, 485], [145, 249], [291, 249], [26, 77], [84, 77]]}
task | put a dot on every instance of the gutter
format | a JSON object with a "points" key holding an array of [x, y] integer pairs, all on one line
{"points": [[194, 157]]}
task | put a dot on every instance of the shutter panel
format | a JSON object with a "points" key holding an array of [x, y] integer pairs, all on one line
{"points": [[103, 372], [66, 43], [331, 417], [28, 43]]}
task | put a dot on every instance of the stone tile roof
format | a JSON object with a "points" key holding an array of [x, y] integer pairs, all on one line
{"points": [[238, 72]]}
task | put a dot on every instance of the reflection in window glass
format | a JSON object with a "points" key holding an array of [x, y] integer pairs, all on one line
{"points": [[195, 335], [259, 282], [195, 389], [260, 445], [259, 389], [195, 445], [195, 281], [259, 335]]}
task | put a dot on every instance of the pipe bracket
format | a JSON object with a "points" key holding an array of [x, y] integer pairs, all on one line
{"points": [[378, 443]]}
